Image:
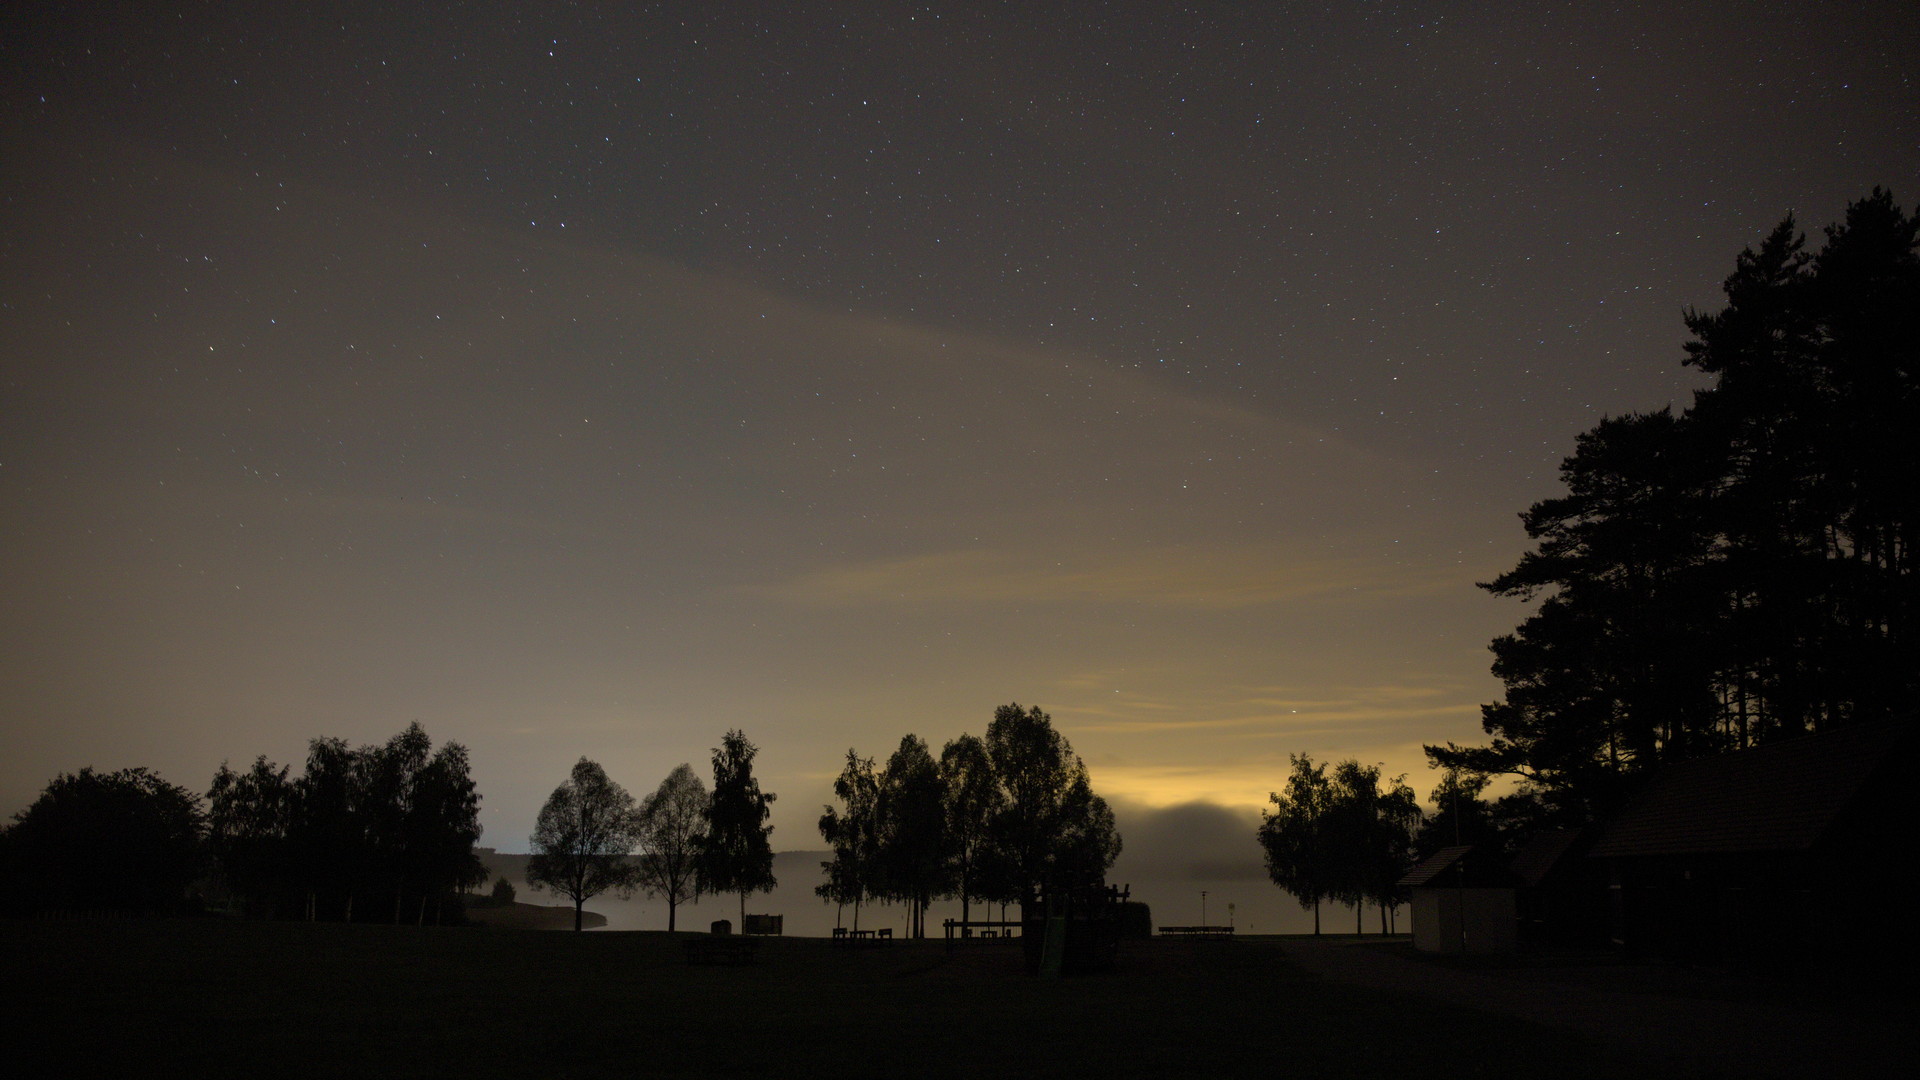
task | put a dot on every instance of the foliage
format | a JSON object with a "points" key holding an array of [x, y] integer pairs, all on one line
{"points": [[971, 801], [330, 805], [398, 819], [737, 855], [1370, 834], [1339, 837], [251, 832], [853, 833], [1744, 570], [502, 894], [1051, 831], [912, 852], [1460, 816], [582, 838], [122, 841], [441, 825], [1294, 836], [995, 819], [672, 828]]}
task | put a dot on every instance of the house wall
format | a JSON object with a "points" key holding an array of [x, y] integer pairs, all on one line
{"points": [[1487, 914]]}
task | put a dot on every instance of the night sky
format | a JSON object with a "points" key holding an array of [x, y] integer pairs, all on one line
{"points": [[591, 379]]}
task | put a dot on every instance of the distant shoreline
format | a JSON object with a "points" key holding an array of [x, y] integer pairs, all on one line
{"points": [[518, 916]]}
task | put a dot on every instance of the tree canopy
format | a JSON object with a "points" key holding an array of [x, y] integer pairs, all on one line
{"points": [[672, 828], [1743, 570], [582, 839], [913, 840], [1295, 838], [123, 841], [398, 819], [972, 801], [1371, 831], [737, 856], [1051, 830], [1001, 818], [852, 832]]}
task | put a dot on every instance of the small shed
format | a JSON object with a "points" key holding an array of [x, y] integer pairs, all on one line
{"points": [[1463, 902], [1781, 856]]}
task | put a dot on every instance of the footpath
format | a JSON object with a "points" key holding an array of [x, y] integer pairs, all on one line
{"points": [[1698, 1026]]}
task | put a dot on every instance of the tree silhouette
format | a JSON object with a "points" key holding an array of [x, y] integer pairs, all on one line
{"points": [[853, 833], [125, 841], [1052, 830], [912, 830], [330, 830], [1741, 571], [737, 856], [251, 822], [672, 824], [1294, 836], [442, 824], [399, 819], [1369, 836], [1460, 816], [972, 801], [582, 839]]}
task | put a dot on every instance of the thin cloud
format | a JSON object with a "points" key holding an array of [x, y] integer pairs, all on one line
{"points": [[1259, 713], [1193, 578]]}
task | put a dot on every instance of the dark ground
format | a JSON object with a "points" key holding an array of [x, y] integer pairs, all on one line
{"points": [[1674, 1020], [292, 999]]}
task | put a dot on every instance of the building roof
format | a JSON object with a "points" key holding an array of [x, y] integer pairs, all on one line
{"points": [[1780, 797], [1542, 854], [1451, 867], [1433, 865]]}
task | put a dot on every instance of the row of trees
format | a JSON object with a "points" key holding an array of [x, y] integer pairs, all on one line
{"points": [[360, 827], [1741, 571], [1341, 837], [690, 842], [994, 819]]}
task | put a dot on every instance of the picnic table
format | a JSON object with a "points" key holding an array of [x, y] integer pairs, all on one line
{"points": [[1196, 931], [844, 936], [964, 929]]}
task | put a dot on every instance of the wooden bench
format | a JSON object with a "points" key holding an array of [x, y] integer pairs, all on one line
{"points": [[1196, 931], [726, 950], [844, 936], [978, 929]]}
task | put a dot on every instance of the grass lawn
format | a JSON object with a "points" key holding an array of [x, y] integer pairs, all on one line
{"points": [[296, 999]]}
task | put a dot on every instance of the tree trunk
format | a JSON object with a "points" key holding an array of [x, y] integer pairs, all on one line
{"points": [[1359, 919], [1383, 920], [577, 906], [349, 905], [1316, 918], [670, 913], [423, 909]]}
